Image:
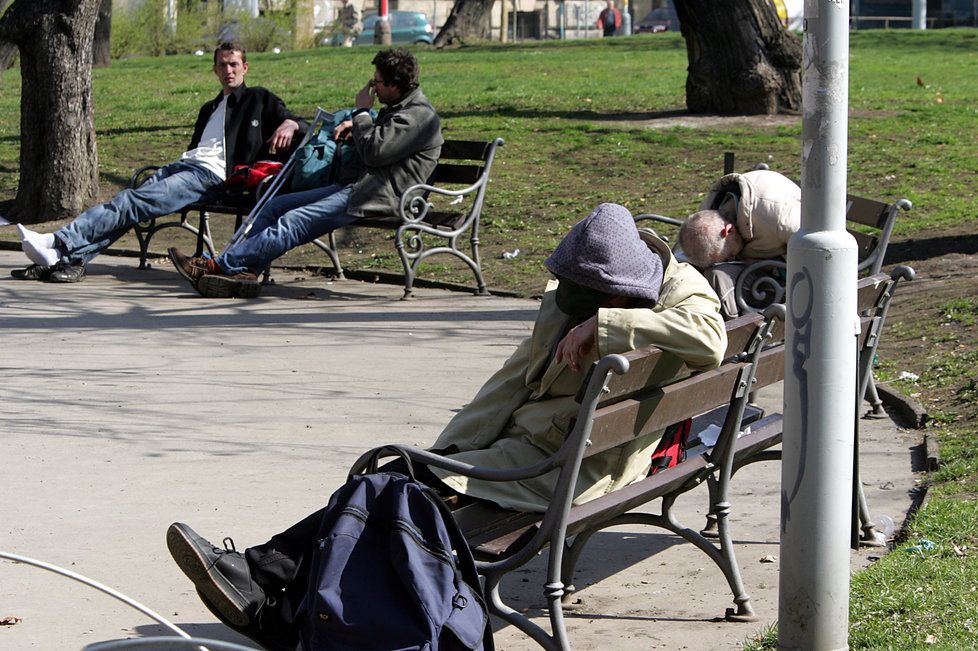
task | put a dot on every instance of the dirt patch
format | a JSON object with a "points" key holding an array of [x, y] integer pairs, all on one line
{"points": [[720, 121], [946, 263]]}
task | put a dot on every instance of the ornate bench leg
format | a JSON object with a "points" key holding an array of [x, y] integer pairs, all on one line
{"points": [[477, 268], [872, 396], [143, 236], [744, 611], [203, 230], [416, 248], [709, 529], [330, 250], [572, 553]]}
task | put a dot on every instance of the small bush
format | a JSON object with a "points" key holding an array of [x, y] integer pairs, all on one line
{"points": [[143, 30]]}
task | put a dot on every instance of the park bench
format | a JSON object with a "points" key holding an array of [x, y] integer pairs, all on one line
{"points": [[446, 209], [616, 405]]}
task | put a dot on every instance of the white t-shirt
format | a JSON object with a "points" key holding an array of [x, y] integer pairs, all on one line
{"points": [[210, 150]]}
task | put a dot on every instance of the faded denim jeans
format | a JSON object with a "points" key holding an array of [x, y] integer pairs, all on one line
{"points": [[287, 222], [172, 187]]}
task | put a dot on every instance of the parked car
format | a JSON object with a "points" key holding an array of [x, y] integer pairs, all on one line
{"points": [[406, 27], [663, 19]]}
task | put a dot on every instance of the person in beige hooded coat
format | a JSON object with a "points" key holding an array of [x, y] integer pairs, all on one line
{"points": [[618, 288], [744, 218]]}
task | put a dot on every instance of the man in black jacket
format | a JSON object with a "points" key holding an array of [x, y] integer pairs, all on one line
{"points": [[237, 127]]}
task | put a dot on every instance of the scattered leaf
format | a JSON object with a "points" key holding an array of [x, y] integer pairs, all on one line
{"points": [[10, 620]]}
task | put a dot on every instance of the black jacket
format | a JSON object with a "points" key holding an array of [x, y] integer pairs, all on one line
{"points": [[253, 115]]}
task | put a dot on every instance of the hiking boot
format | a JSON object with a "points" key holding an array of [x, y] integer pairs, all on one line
{"points": [[192, 268], [220, 575], [33, 272], [64, 272], [242, 285]]}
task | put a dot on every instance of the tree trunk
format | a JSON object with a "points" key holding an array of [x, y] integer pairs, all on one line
{"points": [[102, 45], [304, 24], [741, 60], [58, 160], [8, 50], [470, 19]]}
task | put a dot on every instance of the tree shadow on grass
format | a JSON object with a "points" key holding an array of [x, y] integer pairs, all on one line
{"points": [[931, 247]]}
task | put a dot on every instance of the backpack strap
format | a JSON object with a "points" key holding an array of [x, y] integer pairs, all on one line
{"points": [[373, 461]]}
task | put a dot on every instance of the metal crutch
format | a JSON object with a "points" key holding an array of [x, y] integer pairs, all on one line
{"points": [[277, 183]]}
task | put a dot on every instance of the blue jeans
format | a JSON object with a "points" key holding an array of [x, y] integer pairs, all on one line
{"points": [[172, 187], [285, 223]]}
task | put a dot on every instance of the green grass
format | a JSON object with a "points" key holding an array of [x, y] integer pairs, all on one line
{"points": [[576, 118]]}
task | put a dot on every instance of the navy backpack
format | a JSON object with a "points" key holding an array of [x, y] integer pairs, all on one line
{"points": [[384, 575]]}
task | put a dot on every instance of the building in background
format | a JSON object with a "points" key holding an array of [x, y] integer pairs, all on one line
{"points": [[575, 19]]}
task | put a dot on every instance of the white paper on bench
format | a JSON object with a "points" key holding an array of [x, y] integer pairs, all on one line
{"points": [[709, 436]]}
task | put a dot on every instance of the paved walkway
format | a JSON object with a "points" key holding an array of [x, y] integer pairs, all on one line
{"points": [[129, 402]]}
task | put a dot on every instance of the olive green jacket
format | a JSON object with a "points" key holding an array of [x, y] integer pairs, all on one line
{"points": [[397, 150]]}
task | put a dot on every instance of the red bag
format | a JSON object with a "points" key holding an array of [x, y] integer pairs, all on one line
{"points": [[246, 177], [672, 446]]}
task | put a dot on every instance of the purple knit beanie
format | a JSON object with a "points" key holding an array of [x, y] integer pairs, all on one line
{"points": [[605, 252]]}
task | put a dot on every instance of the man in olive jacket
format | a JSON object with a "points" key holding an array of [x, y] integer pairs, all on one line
{"points": [[398, 149], [618, 288]]}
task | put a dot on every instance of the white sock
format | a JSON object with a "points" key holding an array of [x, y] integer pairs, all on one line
{"points": [[42, 240], [39, 247]]}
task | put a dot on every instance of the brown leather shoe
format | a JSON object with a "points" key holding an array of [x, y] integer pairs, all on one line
{"points": [[219, 285], [192, 268]]}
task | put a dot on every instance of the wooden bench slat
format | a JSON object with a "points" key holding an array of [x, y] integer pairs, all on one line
{"points": [[633, 417], [464, 150], [453, 174], [868, 212], [483, 522], [865, 243], [634, 495]]}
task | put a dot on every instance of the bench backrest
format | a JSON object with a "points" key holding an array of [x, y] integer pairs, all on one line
{"points": [[462, 162], [871, 222], [463, 167], [628, 408]]}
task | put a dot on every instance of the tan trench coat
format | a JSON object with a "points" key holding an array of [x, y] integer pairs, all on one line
{"points": [[522, 413]]}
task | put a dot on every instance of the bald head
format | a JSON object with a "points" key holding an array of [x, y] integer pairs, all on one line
{"points": [[707, 239]]}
